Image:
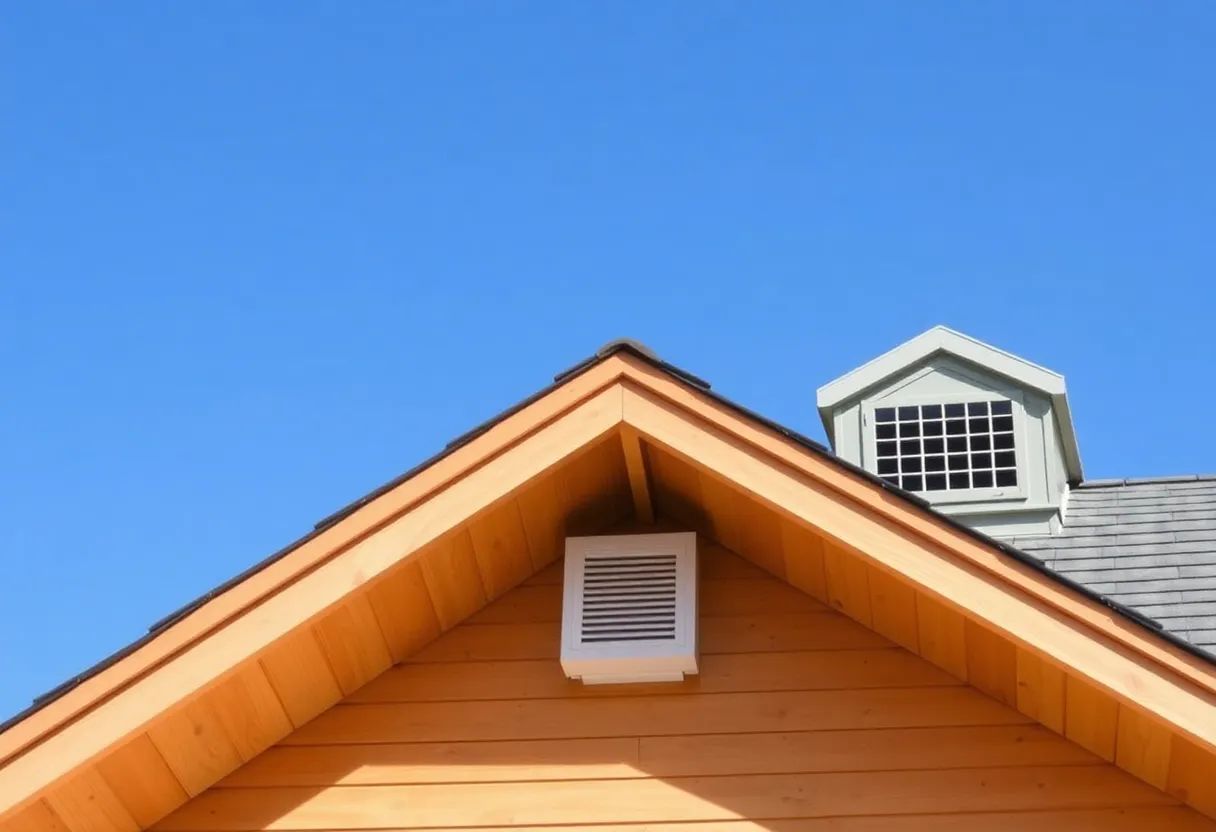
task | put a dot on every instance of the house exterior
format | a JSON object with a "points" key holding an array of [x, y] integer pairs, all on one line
{"points": [[864, 658]]}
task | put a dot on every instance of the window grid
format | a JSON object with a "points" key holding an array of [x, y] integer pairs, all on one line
{"points": [[946, 447]]}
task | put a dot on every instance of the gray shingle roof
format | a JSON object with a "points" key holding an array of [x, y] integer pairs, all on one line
{"points": [[1150, 544]]}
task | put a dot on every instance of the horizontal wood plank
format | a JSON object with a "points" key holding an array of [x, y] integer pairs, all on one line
{"points": [[731, 673], [654, 715], [630, 758], [676, 799]]}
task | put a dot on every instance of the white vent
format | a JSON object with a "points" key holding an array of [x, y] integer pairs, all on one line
{"points": [[629, 609]]}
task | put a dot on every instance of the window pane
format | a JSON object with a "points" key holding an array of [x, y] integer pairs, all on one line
{"points": [[933, 428], [956, 426], [979, 425], [977, 409], [981, 443], [958, 462], [888, 466], [959, 482], [1007, 478], [956, 444], [981, 460], [892, 480], [886, 449], [1002, 408], [1002, 423], [1002, 441], [886, 431], [935, 482], [931, 411], [955, 410], [910, 465], [935, 463], [1006, 459], [934, 446], [909, 429], [914, 483], [884, 414], [909, 413], [909, 447], [981, 479]]}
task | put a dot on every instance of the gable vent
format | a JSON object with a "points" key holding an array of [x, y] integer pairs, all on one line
{"points": [[629, 608]]}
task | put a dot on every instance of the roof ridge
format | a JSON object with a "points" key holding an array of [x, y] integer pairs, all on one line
{"points": [[1125, 481]]}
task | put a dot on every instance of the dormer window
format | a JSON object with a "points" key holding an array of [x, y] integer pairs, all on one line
{"points": [[958, 446]]}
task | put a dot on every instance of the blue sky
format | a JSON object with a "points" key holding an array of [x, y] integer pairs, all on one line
{"points": [[259, 258]]}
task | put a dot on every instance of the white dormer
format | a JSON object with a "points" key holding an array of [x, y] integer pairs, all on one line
{"points": [[979, 433]]}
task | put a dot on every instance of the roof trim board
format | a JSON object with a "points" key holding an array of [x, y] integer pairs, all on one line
{"points": [[521, 444], [942, 339]]}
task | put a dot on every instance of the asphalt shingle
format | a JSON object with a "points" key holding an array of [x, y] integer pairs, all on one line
{"points": [[1149, 544]]}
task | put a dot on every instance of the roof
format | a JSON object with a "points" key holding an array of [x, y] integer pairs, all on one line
{"points": [[408, 531], [1147, 543], [942, 339]]}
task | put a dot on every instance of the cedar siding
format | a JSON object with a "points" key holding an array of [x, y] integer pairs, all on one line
{"points": [[800, 716]]}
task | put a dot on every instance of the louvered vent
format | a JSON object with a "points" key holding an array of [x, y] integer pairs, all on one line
{"points": [[629, 608]]}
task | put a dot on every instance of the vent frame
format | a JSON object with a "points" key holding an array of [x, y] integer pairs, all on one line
{"points": [[665, 658]]}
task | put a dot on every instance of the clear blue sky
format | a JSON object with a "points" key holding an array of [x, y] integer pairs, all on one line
{"points": [[259, 258]]}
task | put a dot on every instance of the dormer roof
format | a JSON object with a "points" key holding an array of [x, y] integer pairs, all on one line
{"points": [[943, 340]]}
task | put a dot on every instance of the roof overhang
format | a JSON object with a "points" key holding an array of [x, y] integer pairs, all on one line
{"points": [[629, 394], [943, 340]]}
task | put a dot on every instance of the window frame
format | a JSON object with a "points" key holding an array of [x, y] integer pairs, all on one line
{"points": [[949, 497]]}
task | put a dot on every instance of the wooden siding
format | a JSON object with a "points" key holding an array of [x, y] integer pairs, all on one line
{"points": [[800, 720]]}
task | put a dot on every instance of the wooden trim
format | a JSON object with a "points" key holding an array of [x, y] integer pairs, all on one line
{"points": [[308, 555], [635, 463], [303, 602], [924, 523], [962, 585]]}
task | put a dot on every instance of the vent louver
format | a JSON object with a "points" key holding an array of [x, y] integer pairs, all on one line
{"points": [[629, 608]]}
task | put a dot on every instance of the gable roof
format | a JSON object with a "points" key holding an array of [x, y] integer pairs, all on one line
{"points": [[622, 387], [1146, 543], [942, 339]]}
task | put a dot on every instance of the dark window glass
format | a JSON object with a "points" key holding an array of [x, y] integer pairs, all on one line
{"points": [[956, 444], [1000, 423], [914, 483], [909, 447], [956, 426], [959, 482], [1006, 479], [1002, 441], [935, 463], [886, 449], [981, 460], [958, 462], [1002, 408], [934, 446], [977, 409], [935, 482], [892, 480], [884, 414], [981, 443], [962, 443], [886, 431], [933, 428], [890, 465], [909, 413], [1006, 459], [910, 465], [955, 411], [907, 429], [978, 425], [931, 411], [981, 479]]}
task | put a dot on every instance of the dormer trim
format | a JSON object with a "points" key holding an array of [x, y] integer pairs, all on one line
{"points": [[941, 339]]}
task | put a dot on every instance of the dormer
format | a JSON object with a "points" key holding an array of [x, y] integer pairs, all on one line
{"points": [[983, 435]]}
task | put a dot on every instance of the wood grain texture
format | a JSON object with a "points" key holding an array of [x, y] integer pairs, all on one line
{"points": [[249, 711], [453, 579], [1040, 690], [353, 643], [1091, 717], [301, 676], [992, 664], [1143, 747], [195, 746], [802, 551], [500, 546], [1192, 776], [404, 610], [658, 800], [893, 609], [86, 803], [942, 634], [140, 778], [639, 479], [37, 816], [848, 583]]}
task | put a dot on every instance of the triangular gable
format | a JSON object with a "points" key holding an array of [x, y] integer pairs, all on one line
{"points": [[319, 602]]}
